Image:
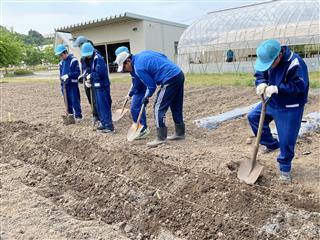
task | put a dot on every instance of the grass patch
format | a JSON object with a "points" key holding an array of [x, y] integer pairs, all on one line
{"points": [[194, 80], [26, 80], [235, 79], [125, 79], [22, 72], [220, 79], [19, 72], [314, 79]]}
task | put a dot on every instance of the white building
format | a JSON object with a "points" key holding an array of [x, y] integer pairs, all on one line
{"points": [[137, 32]]}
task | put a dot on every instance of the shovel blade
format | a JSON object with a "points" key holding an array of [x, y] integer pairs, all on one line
{"points": [[134, 131], [249, 172], [119, 113]]}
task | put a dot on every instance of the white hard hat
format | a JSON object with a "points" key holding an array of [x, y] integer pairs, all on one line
{"points": [[121, 58]]}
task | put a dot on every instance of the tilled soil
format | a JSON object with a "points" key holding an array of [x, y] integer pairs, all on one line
{"points": [[186, 189]]}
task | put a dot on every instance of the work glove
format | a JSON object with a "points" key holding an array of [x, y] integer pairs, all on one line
{"points": [[271, 90], [81, 77], [145, 101], [260, 88], [64, 77], [87, 82], [128, 97]]}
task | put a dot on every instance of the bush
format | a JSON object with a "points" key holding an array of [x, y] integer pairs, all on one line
{"points": [[22, 72]]}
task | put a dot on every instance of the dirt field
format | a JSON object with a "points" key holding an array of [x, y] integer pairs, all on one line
{"points": [[69, 182]]}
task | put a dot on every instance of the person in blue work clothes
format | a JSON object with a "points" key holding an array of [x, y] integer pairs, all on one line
{"points": [[98, 79], [282, 76], [154, 68], [137, 93], [69, 73], [80, 40]]}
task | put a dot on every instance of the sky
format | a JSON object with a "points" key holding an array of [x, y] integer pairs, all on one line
{"points": [[46, 15]]}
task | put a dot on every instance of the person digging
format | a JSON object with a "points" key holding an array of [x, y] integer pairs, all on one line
{"points": [[136, 94], [154, 68], [282, 76]]}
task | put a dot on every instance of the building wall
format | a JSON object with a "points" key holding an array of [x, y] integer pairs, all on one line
{"points": [[147, 36], [161, 37], [116, 32]]}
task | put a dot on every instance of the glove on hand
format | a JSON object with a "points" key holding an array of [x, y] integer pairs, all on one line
{"points": [[271, 90], [145, 101], [260, 88], [64, 77]]}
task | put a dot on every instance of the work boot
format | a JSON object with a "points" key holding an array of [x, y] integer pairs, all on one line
{"points": [[179, 132], [161, 137]]}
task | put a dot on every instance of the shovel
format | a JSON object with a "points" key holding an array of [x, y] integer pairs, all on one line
{"points": [[249, 170], [119, 113], [67, 118], [135, 129]]}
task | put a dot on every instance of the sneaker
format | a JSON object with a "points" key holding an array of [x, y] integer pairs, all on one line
{"points": [[78, 120], [266, 150], [285, 176], [68, 119], [143, 134], [104, 129], [95, 122]]}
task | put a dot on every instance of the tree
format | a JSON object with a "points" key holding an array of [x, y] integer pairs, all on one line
{"points": [[35, 37], [49, 56], [33, 56], [11, 49]]}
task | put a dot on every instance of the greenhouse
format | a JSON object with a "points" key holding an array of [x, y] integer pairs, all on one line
{"points": [[226, 40]]}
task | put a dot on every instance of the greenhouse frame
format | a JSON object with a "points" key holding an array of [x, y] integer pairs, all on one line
{"points": [[226, 40]]}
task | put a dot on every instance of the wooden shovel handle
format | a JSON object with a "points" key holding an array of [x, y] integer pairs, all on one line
{"points": [[260, 128], [124, 104], [65, 96], [140, 114]]}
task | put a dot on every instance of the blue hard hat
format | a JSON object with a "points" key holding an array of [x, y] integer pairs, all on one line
{"points": [[60, 49], [267, 52], [121, 49], [87, 49], [79, 41]]}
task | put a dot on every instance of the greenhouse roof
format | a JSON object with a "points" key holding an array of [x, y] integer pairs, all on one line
{"points": [[245, 27]]}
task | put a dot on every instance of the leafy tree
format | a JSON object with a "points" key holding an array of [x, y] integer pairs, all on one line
{"points": [[11, 49], [34, 37], [49, 56], [33, 56]]}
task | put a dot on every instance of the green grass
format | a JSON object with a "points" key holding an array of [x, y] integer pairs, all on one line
{"points": [[26, 80], [233, 79], [314, 79], [217, 79], [225, 79], [195, 80], [19, 72]]}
